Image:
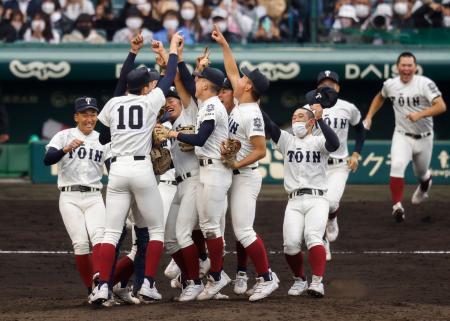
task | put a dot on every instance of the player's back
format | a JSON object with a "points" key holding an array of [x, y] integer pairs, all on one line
{"points": [[131, 120]]}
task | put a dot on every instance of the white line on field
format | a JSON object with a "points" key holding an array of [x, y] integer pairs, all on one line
{"points": [[270, 252]]}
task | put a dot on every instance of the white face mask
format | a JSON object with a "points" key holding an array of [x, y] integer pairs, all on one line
{"points": [[55, 16], [198, 3], [133, 23], [48, 7], [222, 26], [401, 8], [362, 10], [187, 14], [299, 129], [145, 7], [38, 25], [170, 24], [346, 22], [446, 21]]}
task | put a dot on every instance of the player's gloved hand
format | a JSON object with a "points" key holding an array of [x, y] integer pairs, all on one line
{"points": [[161, 160], [160, 134], [353, 161], [229, 149], [325, 96], [74, 144], [137, 43], [186, 130]]}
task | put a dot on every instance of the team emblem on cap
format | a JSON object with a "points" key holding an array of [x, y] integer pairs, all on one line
{"points": [[327, 73], [88, 100]]}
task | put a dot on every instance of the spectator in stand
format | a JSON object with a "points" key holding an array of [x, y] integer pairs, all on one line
{"points": [[268, 31], [28, 7], [446, 13], [204, 15], [171, 25], [133, 24], [402, 15], [427, 14], [12, 26], [378, 24], [148, 11], [291, 24], [84, 31], [362, 8], [73, 8], [105, 19], [190, 21], [346, 19], [58, 20], [40, 30]]}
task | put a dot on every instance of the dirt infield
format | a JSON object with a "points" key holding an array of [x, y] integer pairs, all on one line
{"points": [[380, 270]]}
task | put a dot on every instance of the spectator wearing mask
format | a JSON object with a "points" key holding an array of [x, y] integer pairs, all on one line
{"points": [[40, 30], [446, 13], [148, 13], [133, 23], [402, 15], [346, 19], [84, 32], [190, 20], [362, 8], [268, 31], [28, 7], [105, 19], [427, 14], [58, 20], [171, 25], [13, 26], [73, 8], [378, 25]]}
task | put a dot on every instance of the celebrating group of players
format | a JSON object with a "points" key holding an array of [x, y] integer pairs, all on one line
{"points": [[183, 209]]}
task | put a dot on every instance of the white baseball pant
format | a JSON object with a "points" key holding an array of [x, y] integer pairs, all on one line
{"points": [[337, 176]]}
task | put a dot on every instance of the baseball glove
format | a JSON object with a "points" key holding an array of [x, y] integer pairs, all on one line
{"points": [[160, 134], [229, 149], [186, 130], [161, 160]]}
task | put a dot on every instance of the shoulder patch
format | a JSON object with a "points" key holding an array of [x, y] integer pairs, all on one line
{"points": [[257, 122], [210, 108]]}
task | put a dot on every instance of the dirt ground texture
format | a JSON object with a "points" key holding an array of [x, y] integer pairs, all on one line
{"points": [[364, 281]]}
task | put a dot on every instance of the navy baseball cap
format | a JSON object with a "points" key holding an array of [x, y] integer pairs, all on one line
{"points": [[139, 77], [227, 84], [172, 93], [259, 81], [325, 96], [84, 103], [327, 74], [213, 75]]}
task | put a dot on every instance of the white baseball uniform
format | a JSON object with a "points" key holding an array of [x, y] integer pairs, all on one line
{"points": [[339, 117], [131, 120], [215, 178], [245, 121], [414, 96], [306, 215], [83, 213]]}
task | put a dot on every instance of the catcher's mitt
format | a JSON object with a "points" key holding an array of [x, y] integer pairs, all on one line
{"points": [[229, 149], [186, 130], [161, 160], [160, 134]]}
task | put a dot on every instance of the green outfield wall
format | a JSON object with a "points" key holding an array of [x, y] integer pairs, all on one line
{"points": [[373, 169], [38, 82]]}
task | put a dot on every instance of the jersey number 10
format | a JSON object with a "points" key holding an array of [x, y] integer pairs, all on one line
{"points": [[135, 117]]}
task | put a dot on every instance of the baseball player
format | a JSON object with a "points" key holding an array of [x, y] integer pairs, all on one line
{"points": [[80, 158], [215, 178], [415, 99], [130, 120], [305, 163], [339, 117], [246, 125]]}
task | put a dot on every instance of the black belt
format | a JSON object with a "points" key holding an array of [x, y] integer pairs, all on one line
{"points": [[79, 188], [237, 172], [168, 182], [113, 159], [417, 136], [332, 161], [181, 178], [306, 191], [204, 162]]}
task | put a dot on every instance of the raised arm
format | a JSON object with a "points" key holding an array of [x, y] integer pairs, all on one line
{"points": [[231, 67], [128, 65], [360, 137], [376, 104], [331, 139], [272, 130], [167, 81]]}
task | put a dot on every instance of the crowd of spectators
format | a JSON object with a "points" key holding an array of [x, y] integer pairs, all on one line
{"points": [[241, 21]]}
